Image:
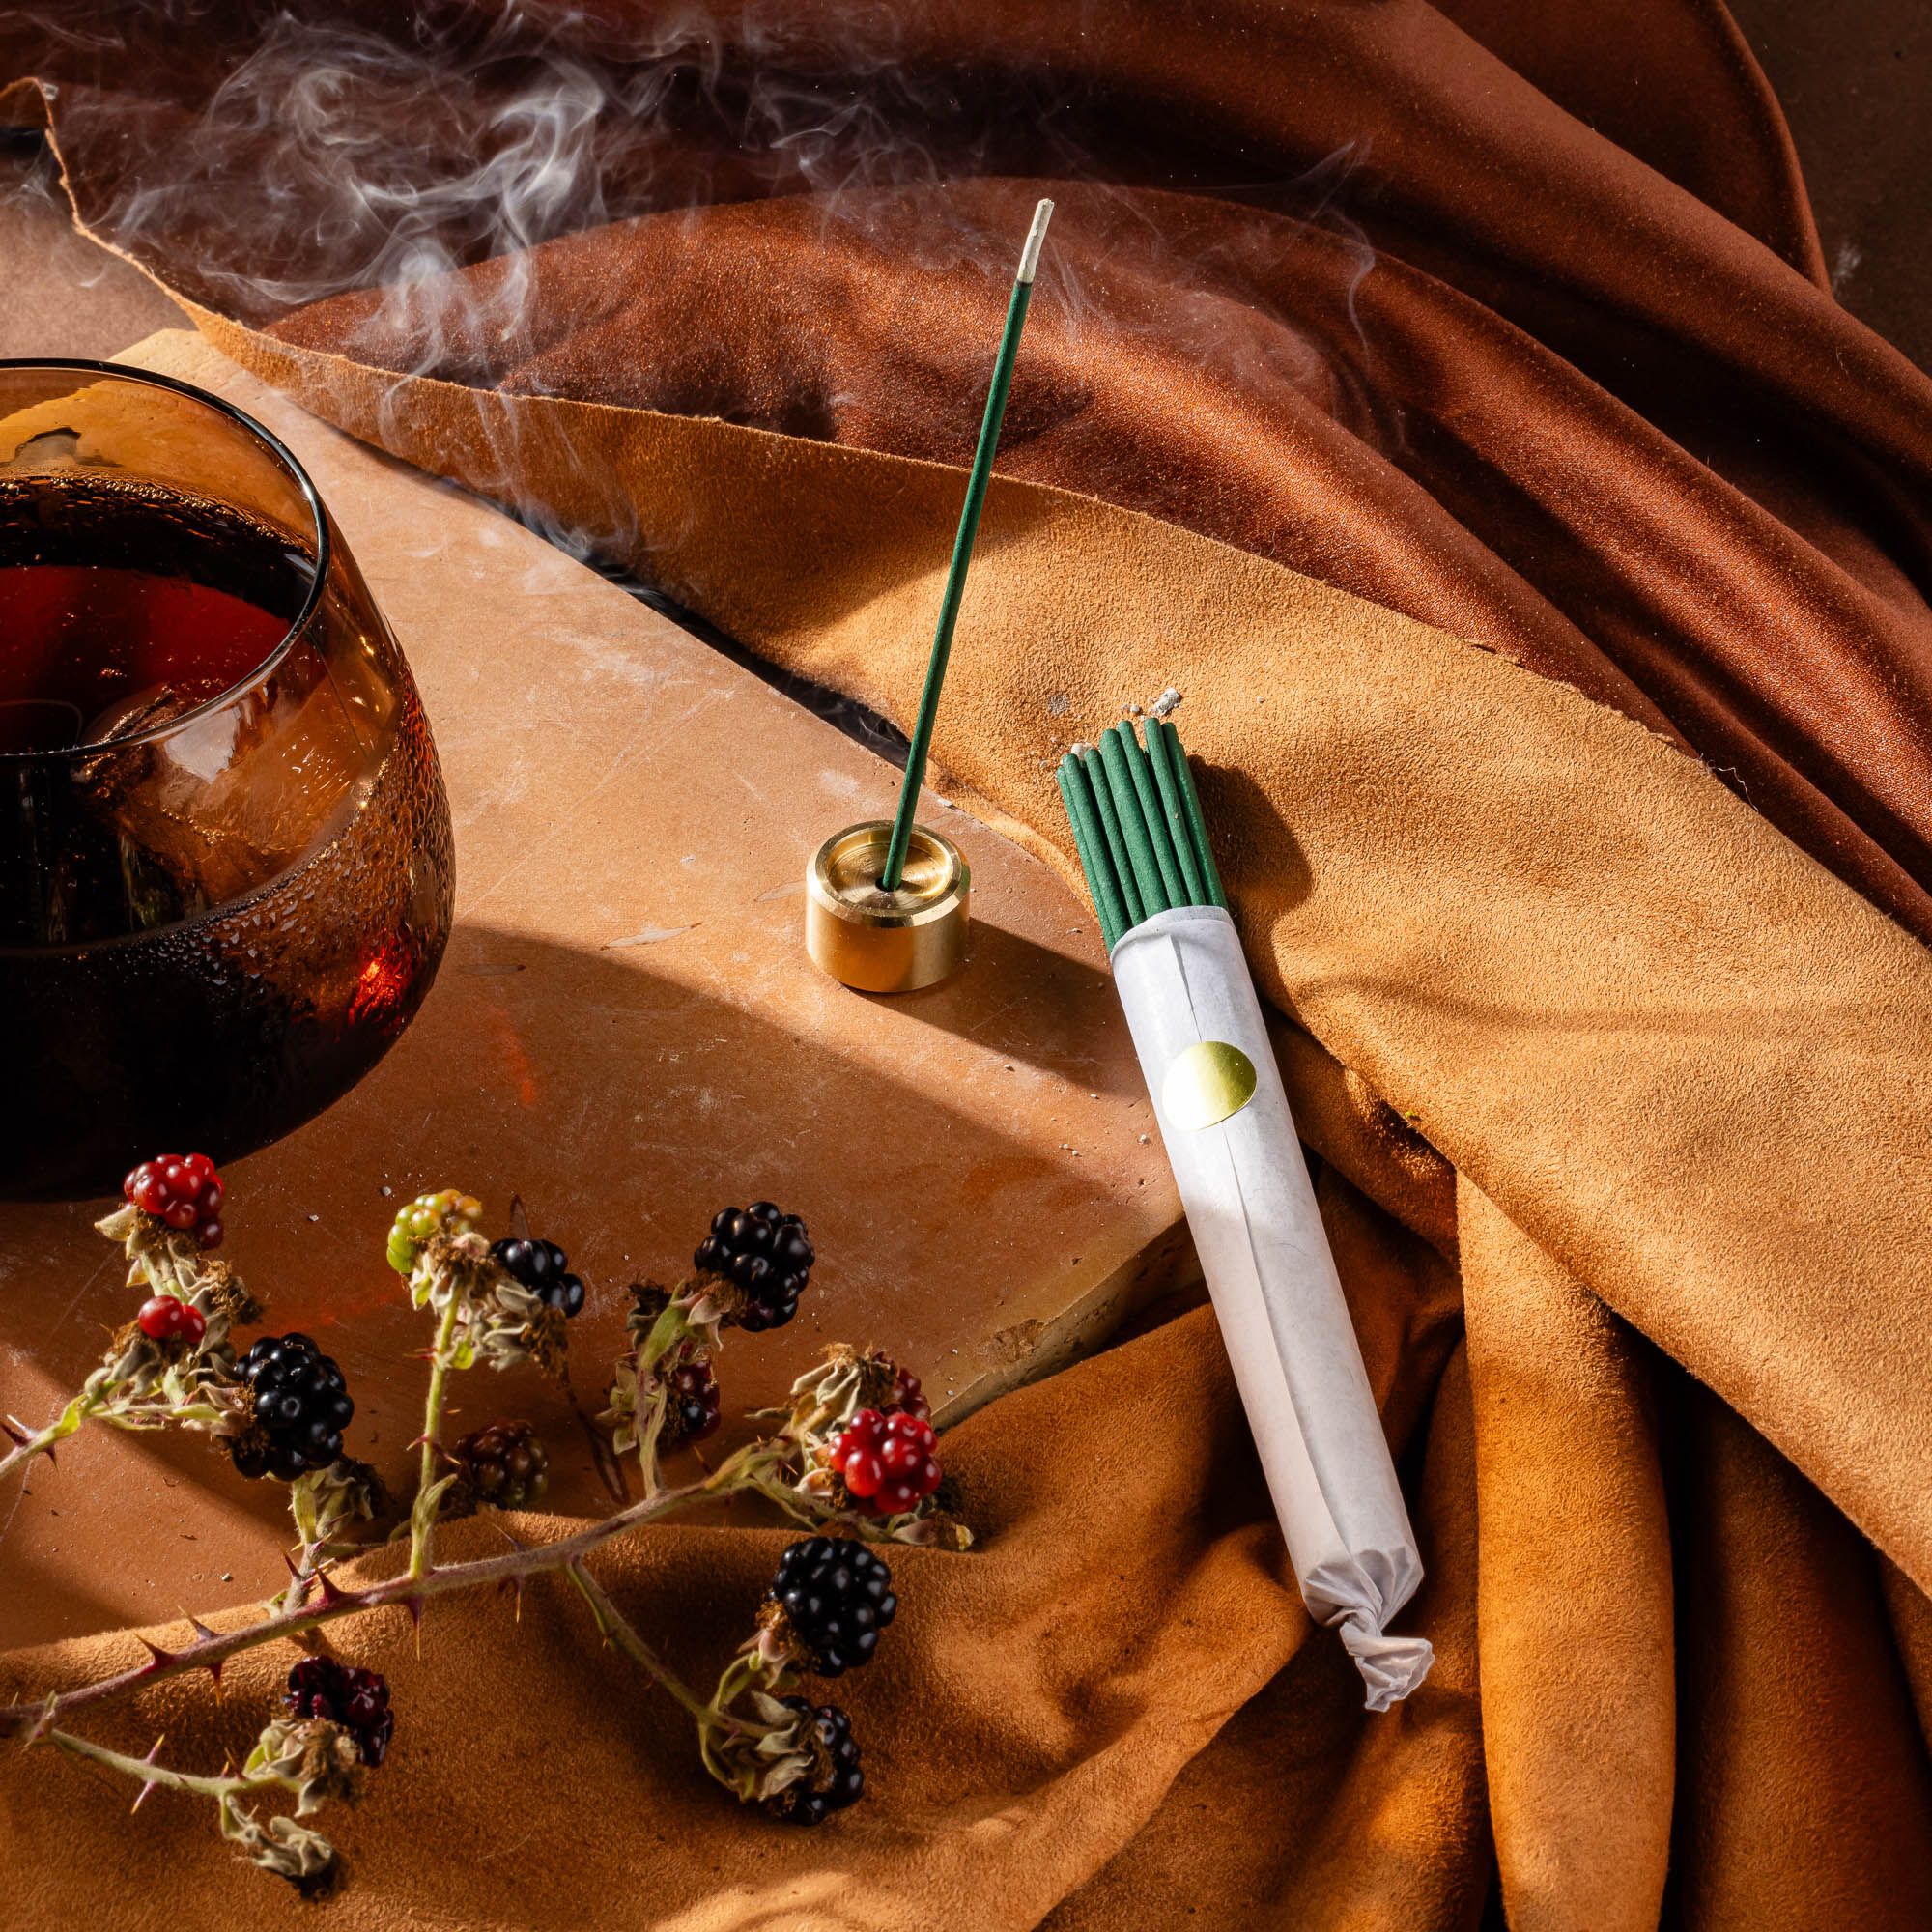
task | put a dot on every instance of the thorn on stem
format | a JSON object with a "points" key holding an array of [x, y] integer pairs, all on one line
{"points": [[148, 1784], [164, 1660]]}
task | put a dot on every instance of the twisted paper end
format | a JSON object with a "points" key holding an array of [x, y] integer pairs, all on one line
{"points": [[1391, 1667]]}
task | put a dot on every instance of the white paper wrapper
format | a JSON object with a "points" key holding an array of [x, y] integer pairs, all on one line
{"points": [[1197, 1024]]}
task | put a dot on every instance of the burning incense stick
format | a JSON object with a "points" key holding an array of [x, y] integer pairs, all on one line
{"points": [[977, 480], [1223, 1115]]}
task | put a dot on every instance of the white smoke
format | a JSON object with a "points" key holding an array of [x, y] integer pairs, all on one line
{"points": [[361, 149]]}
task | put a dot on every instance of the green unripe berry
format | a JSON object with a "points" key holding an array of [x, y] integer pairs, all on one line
{"points": [[448, 1212]]}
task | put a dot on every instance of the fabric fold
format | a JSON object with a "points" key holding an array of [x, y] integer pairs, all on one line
{"points": [[1577, 1631]]}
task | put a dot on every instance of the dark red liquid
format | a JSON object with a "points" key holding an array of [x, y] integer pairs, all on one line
{"points": [[84, 645], [208, 932]]}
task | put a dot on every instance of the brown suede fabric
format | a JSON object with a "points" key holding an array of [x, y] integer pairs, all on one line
{"points": [[1678, 1067], [1573, 1597], [1512, 318]]}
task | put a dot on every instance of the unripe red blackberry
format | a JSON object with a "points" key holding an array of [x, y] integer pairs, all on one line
{"points": [[358, 1700], [836, 1779], [837, 1596], [765, 1253], [544, 1269], [166, 1317], [505, 1464], [887, 1461], [301, 1409], [694, 1406], [182, 1190], [907, 1397]]}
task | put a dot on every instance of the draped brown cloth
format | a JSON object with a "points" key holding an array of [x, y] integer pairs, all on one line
{"points": [[1449, 400]]}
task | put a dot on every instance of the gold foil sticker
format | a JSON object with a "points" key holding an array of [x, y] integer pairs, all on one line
{"points": [[1207, 1084]]}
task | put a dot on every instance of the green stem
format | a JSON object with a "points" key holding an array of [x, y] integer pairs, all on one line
{"points": [[742, 1470], [301, 1506], [667, 1332], [42, 1440], [139, 1416], [422, 1523], [147, 1771], [618, 1630], [799, 1507], [670, 1329], [308, 1540], [649, 1424], [977, 480]]}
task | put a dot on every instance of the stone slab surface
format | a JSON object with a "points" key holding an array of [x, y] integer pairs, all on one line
{"points": [[627, 1033]]}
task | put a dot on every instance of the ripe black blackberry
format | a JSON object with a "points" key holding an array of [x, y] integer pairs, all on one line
{"points": [[358, 1700], [766, 1253], [835, 1779], [300, 1408], [837, 1596], [544, 1269], [505, 1465], [694, 1406]]}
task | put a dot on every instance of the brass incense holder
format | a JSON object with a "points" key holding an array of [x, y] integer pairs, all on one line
{"points": [[879, 940], [885, 902]]}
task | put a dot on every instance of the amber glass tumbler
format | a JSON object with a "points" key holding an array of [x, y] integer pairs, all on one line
{"points": [[225, 856]]}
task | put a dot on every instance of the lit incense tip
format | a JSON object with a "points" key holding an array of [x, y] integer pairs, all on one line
{"points": [[1036, 238]]}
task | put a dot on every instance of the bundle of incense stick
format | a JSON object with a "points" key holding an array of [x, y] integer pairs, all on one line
{"points": [[1217, 1094]]}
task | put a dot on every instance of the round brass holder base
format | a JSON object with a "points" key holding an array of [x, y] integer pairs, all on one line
{"points": [[882, 942]]}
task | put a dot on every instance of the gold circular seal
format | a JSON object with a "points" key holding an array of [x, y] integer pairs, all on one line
{"points": [[1207, 1084]]}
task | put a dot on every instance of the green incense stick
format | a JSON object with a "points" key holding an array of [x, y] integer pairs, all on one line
{"points": [[1141, 769], [1115, 837], [977, 480], [1137, 824], [1203, 853], [1096, 861], [1161, 756], [1134, 826]]}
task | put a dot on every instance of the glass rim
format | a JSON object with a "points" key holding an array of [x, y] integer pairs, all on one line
{"points": [[283, 455]]}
